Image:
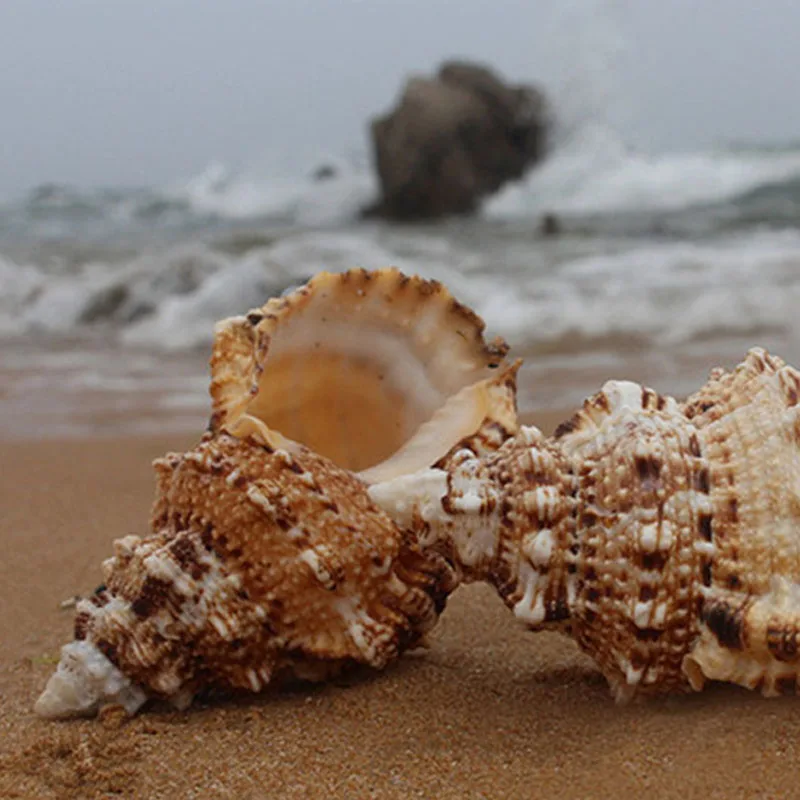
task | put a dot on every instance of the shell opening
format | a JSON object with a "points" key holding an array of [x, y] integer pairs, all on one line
{"points": [[351, 365]]}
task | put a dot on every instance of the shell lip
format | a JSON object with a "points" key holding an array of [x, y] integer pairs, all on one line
{"points": [[488, 404]]}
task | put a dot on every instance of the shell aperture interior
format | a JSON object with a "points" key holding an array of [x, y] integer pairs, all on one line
{"points": [[350, 365]]}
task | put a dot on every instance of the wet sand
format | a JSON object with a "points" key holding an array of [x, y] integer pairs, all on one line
{"points": [[489, 711]]}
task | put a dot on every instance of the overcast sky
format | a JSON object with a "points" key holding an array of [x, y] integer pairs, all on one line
{"points": [[104, 92]]}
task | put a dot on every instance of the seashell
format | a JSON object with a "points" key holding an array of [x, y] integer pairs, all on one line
{"points": [[663, 537], [267, 559]]}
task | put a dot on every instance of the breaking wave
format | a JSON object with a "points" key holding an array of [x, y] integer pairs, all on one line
{"points": [[595, 173], [641, 295]]}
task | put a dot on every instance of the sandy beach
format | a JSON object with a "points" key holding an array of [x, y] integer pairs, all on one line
{"points": [[489, 711], [613, 191]]}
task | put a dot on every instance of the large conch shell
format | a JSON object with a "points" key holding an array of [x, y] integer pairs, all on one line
{"points": [[267, 557], [664, 538]]}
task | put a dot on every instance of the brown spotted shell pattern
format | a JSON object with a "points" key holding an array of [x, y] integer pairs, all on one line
{"points": [[264, 564]]}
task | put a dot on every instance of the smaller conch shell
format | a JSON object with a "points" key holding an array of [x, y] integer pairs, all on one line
{"points": [[351, 365]]}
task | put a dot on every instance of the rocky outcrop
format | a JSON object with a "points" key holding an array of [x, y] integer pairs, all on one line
{"points": [[454, 139]]}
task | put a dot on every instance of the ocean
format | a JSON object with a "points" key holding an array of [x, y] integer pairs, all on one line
{"points": [[665, 265]]}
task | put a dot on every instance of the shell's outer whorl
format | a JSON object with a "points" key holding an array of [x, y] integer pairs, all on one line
{"points": [[603, 531], [264, 564], [350, 365], [749, 425], [304, 539], [644, 526]]}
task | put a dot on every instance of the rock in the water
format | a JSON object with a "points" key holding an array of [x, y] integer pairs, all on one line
{"points": [[324, 172], [454, 139]]}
